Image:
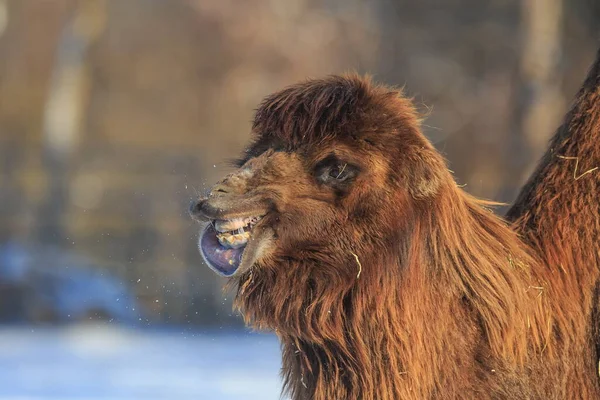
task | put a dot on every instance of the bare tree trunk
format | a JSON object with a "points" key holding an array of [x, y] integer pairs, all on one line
{"points": [[29, 33], [540, 102], [64, 112]]}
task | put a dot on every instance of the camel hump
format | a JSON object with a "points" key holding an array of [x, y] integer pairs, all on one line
{"points": [[559, 206], [558, 209]]}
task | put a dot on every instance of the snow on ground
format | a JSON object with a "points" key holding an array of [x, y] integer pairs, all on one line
{"points": [[112, 363]]}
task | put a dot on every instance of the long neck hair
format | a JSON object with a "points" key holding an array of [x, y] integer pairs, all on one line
{"points": [[435, 308]]}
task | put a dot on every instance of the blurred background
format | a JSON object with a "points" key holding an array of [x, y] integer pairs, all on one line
{"points": [[115, 114]]}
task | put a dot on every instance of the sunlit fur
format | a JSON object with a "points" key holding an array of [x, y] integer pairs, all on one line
{"points": [[558, 214], [403, 286]]}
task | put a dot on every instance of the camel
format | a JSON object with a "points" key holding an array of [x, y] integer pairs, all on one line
{"points": [[345, 234]]}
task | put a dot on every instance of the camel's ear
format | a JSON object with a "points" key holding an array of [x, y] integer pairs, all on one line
{"points": [[425, 174]]}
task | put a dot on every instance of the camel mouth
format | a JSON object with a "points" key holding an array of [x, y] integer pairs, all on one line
{"points": [[225, 242]]}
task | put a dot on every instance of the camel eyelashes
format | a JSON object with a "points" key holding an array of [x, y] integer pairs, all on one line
{"points": [[339, 172], [334, 172]]}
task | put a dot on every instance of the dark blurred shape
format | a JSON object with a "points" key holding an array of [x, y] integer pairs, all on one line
{"points": [[44, 284]]}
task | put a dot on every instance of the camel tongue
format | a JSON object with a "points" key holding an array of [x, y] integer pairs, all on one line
{"points": [[223, 260]]}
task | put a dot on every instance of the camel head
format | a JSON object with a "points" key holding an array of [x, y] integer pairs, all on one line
{"points": [[334, 177]]}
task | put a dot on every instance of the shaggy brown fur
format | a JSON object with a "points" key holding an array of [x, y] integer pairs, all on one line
{"points": [[384, 280], [558, 214]]}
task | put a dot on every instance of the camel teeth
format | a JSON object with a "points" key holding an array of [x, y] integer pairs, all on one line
{"points": [[235, 240]]}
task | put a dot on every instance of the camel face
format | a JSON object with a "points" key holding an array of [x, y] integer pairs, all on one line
{"points": [[278, 204], [326, 180]]}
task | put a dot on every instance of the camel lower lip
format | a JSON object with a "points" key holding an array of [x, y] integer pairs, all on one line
{"points": [[223, 260]]}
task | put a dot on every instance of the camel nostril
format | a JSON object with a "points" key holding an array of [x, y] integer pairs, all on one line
{"points": [[219, 189]]}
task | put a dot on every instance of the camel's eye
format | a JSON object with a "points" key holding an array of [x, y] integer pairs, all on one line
{"points": [[334, 172], [340, 172]]}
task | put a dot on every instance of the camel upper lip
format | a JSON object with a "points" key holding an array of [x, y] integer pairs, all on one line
{"points": [[208, 209]]}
